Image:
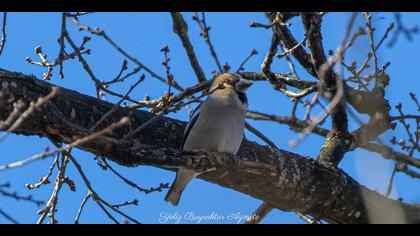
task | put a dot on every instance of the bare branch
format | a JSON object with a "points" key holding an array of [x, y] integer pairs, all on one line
{"points": [[401, 28], [289, 42], [132, 184], [21, 198], [180, 27], [28, 160], [299, 125], [241, 66], [82, 205], [3, 33], [205, 33], [8, 217], [102, 33], [333, 147]]}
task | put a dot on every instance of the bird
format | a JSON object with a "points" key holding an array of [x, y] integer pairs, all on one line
{"points": [[216, 125]]}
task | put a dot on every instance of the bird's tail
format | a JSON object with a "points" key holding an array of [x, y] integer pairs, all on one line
{"points": [[183, 177]]}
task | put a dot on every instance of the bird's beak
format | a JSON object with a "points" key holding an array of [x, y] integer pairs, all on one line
{"points": [[242, 85]]}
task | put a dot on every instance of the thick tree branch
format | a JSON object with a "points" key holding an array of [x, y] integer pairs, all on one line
{"points": [[284, 180], [338, 139]]}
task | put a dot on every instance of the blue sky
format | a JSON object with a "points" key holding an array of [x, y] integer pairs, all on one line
{"points": [[143, 34]]}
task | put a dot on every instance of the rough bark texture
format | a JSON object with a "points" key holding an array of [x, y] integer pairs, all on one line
{"points": [[285, 180]]}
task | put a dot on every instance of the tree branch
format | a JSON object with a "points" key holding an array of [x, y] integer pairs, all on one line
{"points": [[3, 33], [338, 139], [290, 42], [284, 180], [180, 27]]}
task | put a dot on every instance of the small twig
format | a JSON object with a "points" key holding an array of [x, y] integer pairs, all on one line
{"points": [[53, 201], [260, 25], [21, 198], [321, 117], [268, 59], [389, 154], [390, 27], [205, 33], [290, 62], [404, 117], [355, 36], [411, 173], [241, 66], [300, 94], [401, 28], [372, 43], [132, 184], [135, 202], [28, 160], [107, 212], [259, 134], [45, 179], [407, 128], [77, 14], [124, 67], [79, 212], [60, 176], [8, 217], [117, 105], [414, 98], [294, 107], [59, 60], [99, 85], [391, 180], [290, 50], [96, 197], [294, 124], [99, 201], [165, 63], [109, 129], [61, 53], [165, 100], [3, 33], [102, 33]]}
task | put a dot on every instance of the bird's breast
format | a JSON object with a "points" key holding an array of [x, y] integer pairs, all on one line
{"points": [[217, 130]]}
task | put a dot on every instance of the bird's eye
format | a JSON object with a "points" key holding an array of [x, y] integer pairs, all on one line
{"points": [[229, 82]]}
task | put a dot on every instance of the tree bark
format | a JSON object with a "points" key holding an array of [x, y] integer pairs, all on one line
{"points": [[285, 180]]}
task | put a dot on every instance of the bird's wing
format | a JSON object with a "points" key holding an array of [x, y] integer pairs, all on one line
{"points": [[193, 119]]}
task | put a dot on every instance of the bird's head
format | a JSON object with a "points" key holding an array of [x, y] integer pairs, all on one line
{"points": [[231, 86]]}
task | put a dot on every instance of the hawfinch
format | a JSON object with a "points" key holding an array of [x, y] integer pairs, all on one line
{"points": [[216, 125]]}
